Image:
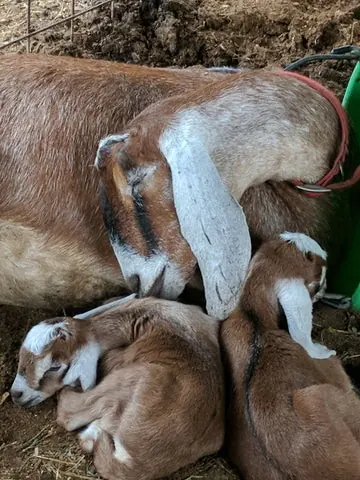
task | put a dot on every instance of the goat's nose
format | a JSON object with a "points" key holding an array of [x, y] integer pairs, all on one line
{"points": [[152, 289], [16, 395], [134, 283]]}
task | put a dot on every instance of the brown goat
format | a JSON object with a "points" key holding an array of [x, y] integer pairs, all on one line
{"points": [[160, 404], [289, 416], [53, 112], [170, 180]]}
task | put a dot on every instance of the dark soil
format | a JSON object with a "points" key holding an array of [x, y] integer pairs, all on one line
{"points": [[248, 33]]}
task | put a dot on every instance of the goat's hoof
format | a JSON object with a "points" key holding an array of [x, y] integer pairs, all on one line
{"points": [[64, 394], [68, 422], [65, 420], [65, 417], [89, 436]]}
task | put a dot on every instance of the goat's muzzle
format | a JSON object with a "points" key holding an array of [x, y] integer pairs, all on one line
{"points": [[154, 290], [21, 400], [23, 395]]}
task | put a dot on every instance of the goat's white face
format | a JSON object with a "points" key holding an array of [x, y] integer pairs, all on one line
{"points": [[37, 379], [311, 262], [166, 211], [304, 263], [48, 361]]}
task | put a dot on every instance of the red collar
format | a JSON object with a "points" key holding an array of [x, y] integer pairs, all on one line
{"points": [[323, 185]]}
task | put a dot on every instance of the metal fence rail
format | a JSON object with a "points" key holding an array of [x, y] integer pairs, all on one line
{"points": [[70, 19]]}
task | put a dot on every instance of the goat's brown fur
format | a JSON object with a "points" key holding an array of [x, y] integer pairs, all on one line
{"points": [[54, 110], [270, 207], [289, 415], [162, 394]]}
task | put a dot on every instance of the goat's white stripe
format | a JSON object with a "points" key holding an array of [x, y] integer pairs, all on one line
{"points": [[323, 276], [148, 269], [304, 243], [40, 336], [42, 366], [20, 384], [28, 394]]}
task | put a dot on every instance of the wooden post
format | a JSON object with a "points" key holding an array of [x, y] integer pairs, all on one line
{"points": [[72, 20], [28, 25]]}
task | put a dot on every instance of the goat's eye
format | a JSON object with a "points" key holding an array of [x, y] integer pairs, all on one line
{"points": [[137, 176], [54, 368]]}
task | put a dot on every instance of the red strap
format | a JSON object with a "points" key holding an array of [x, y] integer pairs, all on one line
{"points": [[323, 185]]}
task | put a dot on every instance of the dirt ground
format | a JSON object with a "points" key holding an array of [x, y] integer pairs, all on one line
{"points": [[249, 33]]}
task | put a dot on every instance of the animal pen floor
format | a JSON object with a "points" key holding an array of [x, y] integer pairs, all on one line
{"points": [[252, 33]]}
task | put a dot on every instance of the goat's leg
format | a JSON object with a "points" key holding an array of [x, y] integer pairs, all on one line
{"points": [[77, 409], [113, 462], [89, 436]]}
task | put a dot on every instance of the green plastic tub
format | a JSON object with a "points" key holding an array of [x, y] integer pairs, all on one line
{"points": [[348, 275]]}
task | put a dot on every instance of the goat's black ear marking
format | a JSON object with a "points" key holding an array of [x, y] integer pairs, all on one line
{"points": [[109, 217], [64, 335]]}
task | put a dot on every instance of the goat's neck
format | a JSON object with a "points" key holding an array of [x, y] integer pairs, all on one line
{"points": [[244, 155], [262, 303], [114, 330]]}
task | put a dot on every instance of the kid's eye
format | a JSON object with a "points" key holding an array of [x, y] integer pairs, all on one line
{"points": [[55, 368]]}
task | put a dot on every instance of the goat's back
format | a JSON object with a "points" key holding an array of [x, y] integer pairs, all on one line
{"points": [[279, 398], [53, 112], [174, 407]]}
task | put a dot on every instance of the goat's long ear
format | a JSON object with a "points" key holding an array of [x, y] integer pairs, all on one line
{"points": [[296, 302], [211, 221], [104, 308]]}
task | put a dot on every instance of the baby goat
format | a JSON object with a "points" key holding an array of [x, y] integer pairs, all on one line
{"points": [[159, 406], [289, 415]]}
